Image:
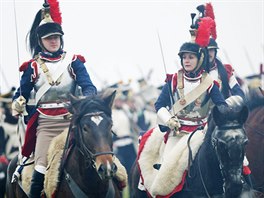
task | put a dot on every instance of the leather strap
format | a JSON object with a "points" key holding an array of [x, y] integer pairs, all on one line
{"points": [[45, 69], [193, 95], [75, 189], [45, 87]]}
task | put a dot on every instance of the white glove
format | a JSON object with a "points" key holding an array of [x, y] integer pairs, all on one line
{"points": [[173, 123], [19, 106]]}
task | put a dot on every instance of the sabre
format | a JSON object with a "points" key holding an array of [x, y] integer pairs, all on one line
{"points": [[20, 124], [165, 69], [17, 44], [261, 79]]}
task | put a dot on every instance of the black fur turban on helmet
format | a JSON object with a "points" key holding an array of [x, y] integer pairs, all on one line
{"points": [[200, 52]]}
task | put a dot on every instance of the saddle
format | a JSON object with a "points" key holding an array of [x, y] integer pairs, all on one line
{"points": [[169, 179], [54, 160]]}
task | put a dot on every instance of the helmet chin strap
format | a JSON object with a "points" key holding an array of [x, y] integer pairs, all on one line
{"points": [[44, 49], [200, 62], [41, 45], [198, 66]]}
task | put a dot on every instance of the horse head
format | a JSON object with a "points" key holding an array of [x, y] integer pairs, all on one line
{"points": [[229, 140], [92, 124]]}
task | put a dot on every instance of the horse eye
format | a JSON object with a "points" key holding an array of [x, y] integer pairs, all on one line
{"points": [[85, 128], [110, 126], [245, 142]]}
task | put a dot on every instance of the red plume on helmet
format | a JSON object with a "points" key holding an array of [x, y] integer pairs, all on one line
{"points": [[55, 11], [204, 31], [209, 12]]}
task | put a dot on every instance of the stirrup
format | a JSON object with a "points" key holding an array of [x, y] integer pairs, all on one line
{"points": [[17, 173]]}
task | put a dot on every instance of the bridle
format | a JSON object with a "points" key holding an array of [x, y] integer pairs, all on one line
{"points": [[214, 142], [215, 145], [88, 155]]}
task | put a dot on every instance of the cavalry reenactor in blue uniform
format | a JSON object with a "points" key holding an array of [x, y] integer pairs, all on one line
{"points": [[53, 74]]}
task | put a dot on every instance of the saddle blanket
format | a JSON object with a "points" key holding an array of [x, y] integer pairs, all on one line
{"points": [[169, 179]]}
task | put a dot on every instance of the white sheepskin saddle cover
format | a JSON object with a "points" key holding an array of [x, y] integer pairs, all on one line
{"points": [[163, 181], [54, 160], [26, 175]]}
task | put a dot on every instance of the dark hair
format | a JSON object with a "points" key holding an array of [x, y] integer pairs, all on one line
{"points": [[32, 38]]}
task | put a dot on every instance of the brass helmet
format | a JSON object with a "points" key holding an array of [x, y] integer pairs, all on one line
{"points": [[47, 22]]}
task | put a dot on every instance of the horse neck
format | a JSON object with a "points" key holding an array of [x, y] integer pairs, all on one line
{"points": [[210, 158], [208, 162]]}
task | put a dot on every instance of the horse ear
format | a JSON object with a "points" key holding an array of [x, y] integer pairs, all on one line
{"points": [[243, 115], [74, 104], [218, 117], [109, 96]]}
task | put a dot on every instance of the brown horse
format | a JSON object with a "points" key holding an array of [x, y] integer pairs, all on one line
{"points": [[87, 167], [255, 148]]}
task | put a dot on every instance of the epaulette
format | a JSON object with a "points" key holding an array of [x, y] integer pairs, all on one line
{"points": [[229, 70], [24, 66], [168, 77], [80, 57], [216, 83]]}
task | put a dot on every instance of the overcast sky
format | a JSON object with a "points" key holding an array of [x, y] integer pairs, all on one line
{"points": [[119, 38]]}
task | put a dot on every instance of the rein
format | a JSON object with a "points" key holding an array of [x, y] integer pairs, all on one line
{"points": [[190, 158], [215, 140], [214, 144]]}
